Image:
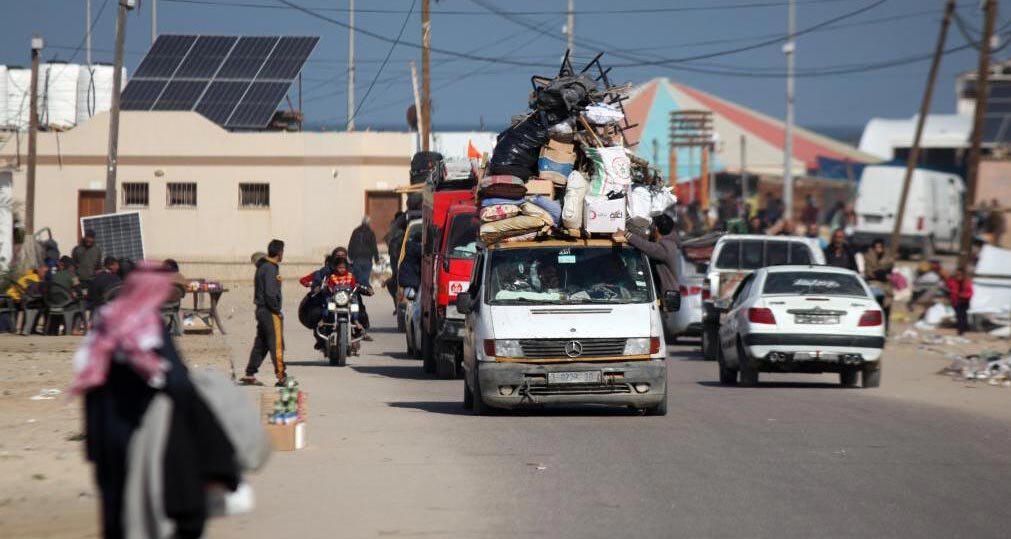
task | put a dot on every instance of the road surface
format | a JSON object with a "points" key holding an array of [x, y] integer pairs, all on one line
{"points": [[393, 454]]}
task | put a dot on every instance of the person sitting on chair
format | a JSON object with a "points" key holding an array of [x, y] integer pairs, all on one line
{"points": [[105, 279]]}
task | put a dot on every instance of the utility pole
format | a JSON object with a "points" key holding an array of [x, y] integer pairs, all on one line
{"points": [[33, 133], [417, 101], [426, 95], [117, 81], [570, 27], [790, 49], [744, 172], [154, 21], [914, 150], [972, 174], [87, 32], [351, 67]]}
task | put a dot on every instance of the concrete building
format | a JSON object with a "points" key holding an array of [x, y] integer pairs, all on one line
{"points": [[209, 197]]}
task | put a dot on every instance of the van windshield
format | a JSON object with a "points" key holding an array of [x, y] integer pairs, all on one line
{"points": [[462, 241], [567, 276]]}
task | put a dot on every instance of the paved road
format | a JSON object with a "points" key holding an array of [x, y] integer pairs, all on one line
{"points": [[392, 453]]}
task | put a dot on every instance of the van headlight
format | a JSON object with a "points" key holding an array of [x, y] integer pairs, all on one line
{"points": [[638, 346], [502, 348], [341, 298]]}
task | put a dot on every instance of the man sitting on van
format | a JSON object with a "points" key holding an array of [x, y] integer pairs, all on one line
{"points": [[661, 248]]}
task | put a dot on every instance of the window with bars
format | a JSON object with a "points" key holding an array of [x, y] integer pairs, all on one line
{"points": [[181, 195], [135, 195], [254, 195]]}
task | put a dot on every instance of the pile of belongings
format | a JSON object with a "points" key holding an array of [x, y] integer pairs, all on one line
{"points": [[989, 367], [563, 167]]}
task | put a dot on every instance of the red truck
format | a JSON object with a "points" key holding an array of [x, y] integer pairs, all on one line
{"points": [[450, 226]]}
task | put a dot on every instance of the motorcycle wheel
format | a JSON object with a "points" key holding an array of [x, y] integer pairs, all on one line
{"points": [[331, 354], [342, 344]]}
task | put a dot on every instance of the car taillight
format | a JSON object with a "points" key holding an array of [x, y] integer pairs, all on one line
{"points": [[871, 318], [689, 290], [706, 293], [489, 347], [654, 345], [761, 315], [919, 223]]}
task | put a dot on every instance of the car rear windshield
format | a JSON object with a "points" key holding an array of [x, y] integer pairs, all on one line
{"points": [[813, 283], [754, 254], [463, 232]]}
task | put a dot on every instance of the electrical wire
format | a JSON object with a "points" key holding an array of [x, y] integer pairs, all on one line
{"points": [[385, 60]]}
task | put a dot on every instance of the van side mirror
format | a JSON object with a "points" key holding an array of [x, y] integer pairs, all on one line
{"points": [[464, 303], [671, 301]]}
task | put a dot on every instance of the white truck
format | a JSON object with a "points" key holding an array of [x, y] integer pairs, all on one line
{"points": [[933, 218]]}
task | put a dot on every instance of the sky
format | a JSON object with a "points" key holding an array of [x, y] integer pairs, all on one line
{"points": [[487, 89]]}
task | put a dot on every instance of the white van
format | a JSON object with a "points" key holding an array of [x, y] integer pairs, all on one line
{"points": [[564, 321], [933, 208]]}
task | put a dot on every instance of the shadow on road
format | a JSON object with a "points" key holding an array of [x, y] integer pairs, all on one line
{"points": [[456, 408], [400, 355], [319, 362], [406, 372], [435, 407], [691, 354], [390, 329], [785, 385]]}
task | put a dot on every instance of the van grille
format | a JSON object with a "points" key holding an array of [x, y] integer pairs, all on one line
{"points": [[549, 348], [577, 389]]}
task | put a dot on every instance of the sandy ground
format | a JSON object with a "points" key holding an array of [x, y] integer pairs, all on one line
{"points": [[45, 484]]}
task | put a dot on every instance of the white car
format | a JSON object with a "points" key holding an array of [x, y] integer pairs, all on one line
{"points": [[688, 320], [808, 319]]}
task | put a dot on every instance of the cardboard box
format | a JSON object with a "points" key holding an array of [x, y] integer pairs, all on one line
{"points": [[541, 187], [287, 437], [602, 215]]}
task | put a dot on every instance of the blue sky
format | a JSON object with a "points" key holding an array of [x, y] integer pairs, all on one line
{"points": [[467, 92]]}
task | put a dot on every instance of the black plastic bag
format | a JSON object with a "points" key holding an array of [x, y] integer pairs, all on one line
{"points": [[310, 311], [563, 96], [518, 149]]}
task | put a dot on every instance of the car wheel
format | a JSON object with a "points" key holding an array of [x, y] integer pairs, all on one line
{"points": [[468, 397], [445, 363], [728, 376], [748, 370], [848, 376], [871, 376], [710, 342]]}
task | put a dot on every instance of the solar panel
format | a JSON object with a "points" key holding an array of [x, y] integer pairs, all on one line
{"points": [[118, 234], [238, 81], [993, 128]]}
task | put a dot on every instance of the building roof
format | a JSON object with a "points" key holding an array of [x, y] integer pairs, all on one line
{"points": [[882, 135], [652, 102]]}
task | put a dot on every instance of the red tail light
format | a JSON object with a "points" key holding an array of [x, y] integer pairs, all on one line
{"points": [[706, 293], [689, 290], [654, 345], [761, 316], [489, 347], [919, 223], [871, 318]]}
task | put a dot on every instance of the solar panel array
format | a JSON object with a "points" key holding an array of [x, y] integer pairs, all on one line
{"points": [[118, 234], [997, 121], [236, 82]]}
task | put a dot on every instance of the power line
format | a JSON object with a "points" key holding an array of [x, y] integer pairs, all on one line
{"points": [[79, 47], [383, 65]]}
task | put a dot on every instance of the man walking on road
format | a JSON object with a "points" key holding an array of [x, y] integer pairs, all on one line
{"points": [[363, 251], [838, 253], [88, 257], [269, 319]]}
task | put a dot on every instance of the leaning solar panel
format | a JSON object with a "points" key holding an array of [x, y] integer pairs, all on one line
{"points": [[164, 57], [141, 94], [181, 95], [287, 58], [247, 57], [220, 100], [206, 56], [258, 105], [118, 234]]}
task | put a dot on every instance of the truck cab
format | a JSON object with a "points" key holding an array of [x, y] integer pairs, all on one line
{"points": [[449, 243], [564, 322]]}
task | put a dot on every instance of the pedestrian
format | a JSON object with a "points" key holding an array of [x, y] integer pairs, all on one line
{"points": [[756, 226], [363, 251], [878, 268], [66, 276], [838, 253], [269, 318], [995, 222], [809, 217], [960, 288], [394, 239], [88, 257], [661, 248]]}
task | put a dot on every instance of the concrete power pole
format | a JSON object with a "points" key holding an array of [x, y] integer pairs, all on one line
{"points": [[914, 150], [154, 21], [790, 48], [426, 87], [972, 174], [117, 81], [87, 32], [351, 67], [570, 27], [33, 134]]}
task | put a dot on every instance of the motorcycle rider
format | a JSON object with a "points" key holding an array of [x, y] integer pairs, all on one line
{"points": [[342, 277]]}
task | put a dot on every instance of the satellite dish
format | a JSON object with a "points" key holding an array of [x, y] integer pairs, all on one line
{"points": [[412, 118]]}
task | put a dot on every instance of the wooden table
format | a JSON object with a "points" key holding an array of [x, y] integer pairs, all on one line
{"points": [[212, 310]]}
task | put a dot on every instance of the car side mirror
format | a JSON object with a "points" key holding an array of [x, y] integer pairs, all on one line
{"points": [[671, 301], [464, 303]]}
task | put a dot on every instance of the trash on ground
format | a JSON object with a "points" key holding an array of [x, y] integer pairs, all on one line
{"points": [[46, 395], [989, 366]]}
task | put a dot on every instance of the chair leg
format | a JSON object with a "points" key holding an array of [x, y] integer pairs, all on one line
{"points": [[177, 325]]}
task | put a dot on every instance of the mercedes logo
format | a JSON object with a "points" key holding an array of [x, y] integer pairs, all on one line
{"points": [[573, 348]]}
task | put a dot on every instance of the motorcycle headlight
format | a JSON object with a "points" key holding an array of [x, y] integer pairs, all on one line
{"points": [[332, 306], [341, 298]]}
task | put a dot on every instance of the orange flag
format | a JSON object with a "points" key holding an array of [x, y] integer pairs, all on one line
{"points": [[472, 152]]}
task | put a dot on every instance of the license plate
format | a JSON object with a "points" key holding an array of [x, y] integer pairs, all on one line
{"points": [[816, 319], [873, 219], [581, 377]]}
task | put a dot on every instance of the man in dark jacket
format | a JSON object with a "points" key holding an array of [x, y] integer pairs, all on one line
{"points": [[662, 250], [839, 253], [394, 240], [269, 319], [363, 251], [106, 279], [88, 257]]}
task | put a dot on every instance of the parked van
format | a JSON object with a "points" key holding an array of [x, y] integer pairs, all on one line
{"points": [[564, 321], [934, 208]]}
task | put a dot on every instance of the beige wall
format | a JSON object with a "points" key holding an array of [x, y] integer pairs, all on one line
{"points": [[317, 183]]}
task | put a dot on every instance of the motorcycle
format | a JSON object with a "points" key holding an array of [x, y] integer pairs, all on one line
{"points": [[339, 328]]}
